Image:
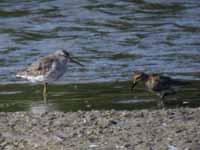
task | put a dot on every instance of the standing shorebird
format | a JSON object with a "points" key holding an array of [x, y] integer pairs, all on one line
{"points": [[161, 85], [47, 69]]}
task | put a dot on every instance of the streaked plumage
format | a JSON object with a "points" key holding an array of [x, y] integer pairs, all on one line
{"points": [[48, 68], [161, 85]]}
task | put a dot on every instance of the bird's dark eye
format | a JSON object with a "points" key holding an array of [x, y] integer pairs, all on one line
{"points": [[66, 53]]}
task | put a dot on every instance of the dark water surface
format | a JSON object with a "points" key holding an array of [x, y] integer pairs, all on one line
{"points": [[112, 38]]}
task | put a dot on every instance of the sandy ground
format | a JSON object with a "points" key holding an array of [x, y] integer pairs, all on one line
{"points": [[172, 129]]}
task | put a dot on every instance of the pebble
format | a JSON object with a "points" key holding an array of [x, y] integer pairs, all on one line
{"points": [[139, 129]]}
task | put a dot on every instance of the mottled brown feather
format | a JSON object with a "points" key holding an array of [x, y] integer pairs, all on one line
{"points": [[40, 67]]}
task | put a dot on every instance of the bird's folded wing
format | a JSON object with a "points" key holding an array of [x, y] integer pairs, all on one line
{"points": [[41, 66]]}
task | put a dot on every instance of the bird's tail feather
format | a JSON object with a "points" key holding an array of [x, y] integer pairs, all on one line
{"points": [[180, 82]]}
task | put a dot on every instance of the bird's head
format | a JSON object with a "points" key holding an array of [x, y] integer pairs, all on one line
{"points": [[62, 53], [137, 77], [66, 54]]}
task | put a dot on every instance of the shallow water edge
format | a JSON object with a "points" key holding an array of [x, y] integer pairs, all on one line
{"points": [[92, 96]]}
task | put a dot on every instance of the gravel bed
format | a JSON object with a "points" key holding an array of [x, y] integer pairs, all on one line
{"points": [[170, 129]]}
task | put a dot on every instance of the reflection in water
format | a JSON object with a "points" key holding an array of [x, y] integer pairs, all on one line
{"points": [[107, 95], [41, 108], [134, 100], [112, 38]]}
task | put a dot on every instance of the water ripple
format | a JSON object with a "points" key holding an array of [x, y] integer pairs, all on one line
{"points": [[158, 36]]}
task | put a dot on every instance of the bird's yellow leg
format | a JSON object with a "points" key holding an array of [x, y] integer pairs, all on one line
{"points": [[45, 92]]}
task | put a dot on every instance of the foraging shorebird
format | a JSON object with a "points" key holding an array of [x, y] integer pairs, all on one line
{"points": [[47, 69], [161, 85]]}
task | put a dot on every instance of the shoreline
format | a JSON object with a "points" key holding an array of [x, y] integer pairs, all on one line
{"points": [[170, 129]]}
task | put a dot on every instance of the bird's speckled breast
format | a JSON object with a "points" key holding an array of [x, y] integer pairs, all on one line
{"points": [[152, 83]]}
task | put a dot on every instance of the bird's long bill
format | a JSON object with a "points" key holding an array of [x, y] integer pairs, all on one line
{"points": [[133, 85], [76, 62]]}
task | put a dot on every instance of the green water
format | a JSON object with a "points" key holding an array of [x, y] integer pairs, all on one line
{"points": [[98, 96], [112, 39]]}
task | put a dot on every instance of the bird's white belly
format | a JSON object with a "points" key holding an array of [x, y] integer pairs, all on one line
{"points": [[33, 79]]}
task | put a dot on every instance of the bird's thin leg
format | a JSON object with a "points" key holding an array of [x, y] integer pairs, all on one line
{"points": [[163, 94], [167, 92], [45, 92], [161, 103]]}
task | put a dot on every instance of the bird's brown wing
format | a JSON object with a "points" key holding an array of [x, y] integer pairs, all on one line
{"points": [[41, 66], [155, 82]]}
